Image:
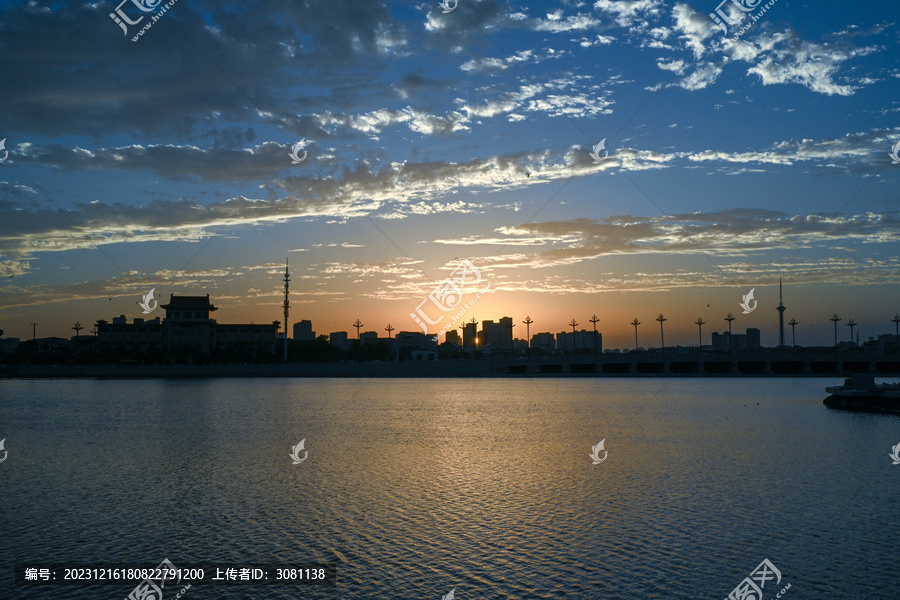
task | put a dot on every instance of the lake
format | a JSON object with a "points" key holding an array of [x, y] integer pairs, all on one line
{"points": [[414, 488]]}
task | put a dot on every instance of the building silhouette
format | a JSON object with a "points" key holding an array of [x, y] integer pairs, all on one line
{"points": [[569, 341], [187, 329], [339, 339], [303, 331], [543, 341], [739, 341]]}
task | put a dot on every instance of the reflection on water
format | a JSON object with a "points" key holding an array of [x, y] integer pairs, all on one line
{"points": [[485, 486]]}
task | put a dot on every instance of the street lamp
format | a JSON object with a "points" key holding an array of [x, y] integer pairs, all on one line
{"points": [[851, 324], [78, 327], [357, 324], [573, 323], [730, 318], [699, 323], [389, 329], [835, 318], [635, 323], [896, 321], [528, 323], [594, 320], [662, 337], [793, 324]]}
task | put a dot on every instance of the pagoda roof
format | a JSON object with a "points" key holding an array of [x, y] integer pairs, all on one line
{"points": [[189, 302]]}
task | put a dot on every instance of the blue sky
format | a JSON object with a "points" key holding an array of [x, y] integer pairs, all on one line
{"points": [[433, 137]]}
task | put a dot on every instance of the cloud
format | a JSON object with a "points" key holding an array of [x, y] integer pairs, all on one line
{"points": [[788, 59], [724, 234], [628, 12]]}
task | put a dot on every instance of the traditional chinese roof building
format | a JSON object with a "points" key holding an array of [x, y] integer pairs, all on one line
{"points": [[188, 331]]}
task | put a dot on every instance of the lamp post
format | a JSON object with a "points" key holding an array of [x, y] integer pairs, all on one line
{"points": [[730, 318], [635, 323], [573, 323], [34, 338], [511, 346], [462, 328], [835, 318], [793, 324], [594, 320], [77, 327], [357, 324], [389, 329], [474, 333], [896, 321], [528, 323], [699, 323], [851, 324], [662, 337]]}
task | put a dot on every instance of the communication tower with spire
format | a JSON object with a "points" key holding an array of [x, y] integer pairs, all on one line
{"points": [[287, 304], [781, 309]]}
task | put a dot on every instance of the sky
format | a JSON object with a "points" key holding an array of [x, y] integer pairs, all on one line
{"points": [[166, 154]]}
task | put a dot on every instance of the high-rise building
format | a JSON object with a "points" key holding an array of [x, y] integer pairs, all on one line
{"points": [[569, 341], [496, 335], [453, 338], [544, 341], [303, 331], [339, 339]]}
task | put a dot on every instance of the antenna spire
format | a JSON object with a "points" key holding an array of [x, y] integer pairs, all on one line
{"points": [[287, 304]]}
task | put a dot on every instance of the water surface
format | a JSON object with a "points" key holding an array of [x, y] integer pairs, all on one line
{"points": [[485, 486]]}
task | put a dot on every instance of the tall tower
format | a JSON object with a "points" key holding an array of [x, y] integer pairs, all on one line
{"points": [[287, 305], [781, 310]]}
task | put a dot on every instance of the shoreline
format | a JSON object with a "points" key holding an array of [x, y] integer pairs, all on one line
{"points": [[580, 368]]}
